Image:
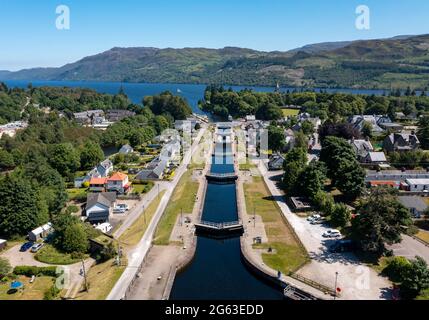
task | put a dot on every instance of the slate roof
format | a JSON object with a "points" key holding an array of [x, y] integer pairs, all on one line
{"points": [[105, 198]]}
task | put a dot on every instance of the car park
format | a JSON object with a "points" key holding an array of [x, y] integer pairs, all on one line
{"points": [[343, 246], [36, 247]]}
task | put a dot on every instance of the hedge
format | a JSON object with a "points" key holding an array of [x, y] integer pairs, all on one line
{"points": [[36, 271]]}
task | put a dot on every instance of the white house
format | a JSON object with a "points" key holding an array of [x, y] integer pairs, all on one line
{"points": [[118, 182], [105, 168], [40, 232]]}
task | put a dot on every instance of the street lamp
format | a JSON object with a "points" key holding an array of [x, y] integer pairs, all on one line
{"points": [[336, 282]]}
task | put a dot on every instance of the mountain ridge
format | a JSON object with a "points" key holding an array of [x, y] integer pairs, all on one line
{"points": [[378, 63]]}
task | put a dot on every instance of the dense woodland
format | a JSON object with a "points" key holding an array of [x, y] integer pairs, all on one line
{"points": [[41, 160]]}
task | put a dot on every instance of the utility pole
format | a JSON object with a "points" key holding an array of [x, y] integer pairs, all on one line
{"points": [[336, 282], [181, 216], [84, 274], [254, 217], [158, 190], [144, 216]]}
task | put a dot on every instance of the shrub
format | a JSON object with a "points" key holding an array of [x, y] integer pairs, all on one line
{"points": [[29, 271], [397, 268], [52, 293]]}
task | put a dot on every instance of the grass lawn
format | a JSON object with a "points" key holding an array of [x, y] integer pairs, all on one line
{"points": [[290, 112], [76, 193], [183, 197], [49, 254], [101, 279], [423, 235], [31, 291], [135, 232], [142, 188], [246, 166], [289, 255]]}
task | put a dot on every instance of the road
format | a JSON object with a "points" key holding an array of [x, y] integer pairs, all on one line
{"points": [[136, 257], [410, 248], [357, 281]]}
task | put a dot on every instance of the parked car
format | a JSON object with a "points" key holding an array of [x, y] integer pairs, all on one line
{"points": [[104, 227], [37, 247], [343, 246], [318, 221], [120, 208], [313, 217], [123, 205], [332, 234], [26, 246]]}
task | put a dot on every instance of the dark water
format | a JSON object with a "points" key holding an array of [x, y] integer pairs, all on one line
{"points": [[217, 271], [136, 91]]}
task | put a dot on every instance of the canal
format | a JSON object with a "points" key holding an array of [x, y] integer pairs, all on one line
{"points": [[218, 271]]}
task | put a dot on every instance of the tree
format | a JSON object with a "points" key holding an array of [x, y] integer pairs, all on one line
{"points": [[341, 130], [380, 220], [65, 158], [90, 155], [276, 138], [340, 215], [349, 178], [312, 180], [367, 129], [167, 103], [19, 209], [294, 163], [269, 111], [396, 268], [6, 160], [5, 267], [415, 278], [75, 239], [307, 127], [423, 132]]}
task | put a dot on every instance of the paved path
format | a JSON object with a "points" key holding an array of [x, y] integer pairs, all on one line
{"points": [[136, 256], [357, 281], [410, 248]]}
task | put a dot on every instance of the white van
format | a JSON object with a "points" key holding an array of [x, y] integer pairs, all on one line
{"points": [[332, 234]]}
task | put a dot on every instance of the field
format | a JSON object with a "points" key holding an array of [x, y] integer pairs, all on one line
{"points": [[101, 279], [183, 198], [290, 112], [289, 254], [31, 291], [50, 255], [135, 232]]}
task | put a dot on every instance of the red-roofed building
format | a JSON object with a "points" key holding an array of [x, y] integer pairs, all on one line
{"points": [[118, 182], [97, 184], [376, 183]]}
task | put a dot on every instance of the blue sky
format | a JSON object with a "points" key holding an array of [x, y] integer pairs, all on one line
{"points": [[29, 37]]}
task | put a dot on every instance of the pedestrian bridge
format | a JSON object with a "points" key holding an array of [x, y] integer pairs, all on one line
{"points": [[222, 177], [219, 227]]}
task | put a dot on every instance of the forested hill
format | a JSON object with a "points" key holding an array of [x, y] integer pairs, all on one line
{"points": [[389, 63]]}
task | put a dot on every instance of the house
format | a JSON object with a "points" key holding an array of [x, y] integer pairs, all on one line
{"points": [[126, 149], [361, 147], [276, 162], [250, 118], [417, 185], [401, 142], [375, 158], [358, 121], [99, 206], [116, 115], [97, 184], [300, 204], [89, 117], [79, 181], [171, 153], [105, 168], [416, 205], [3, 244], [11, 128], [289, 139], [118, 182], [41, 232], [157, 173]]}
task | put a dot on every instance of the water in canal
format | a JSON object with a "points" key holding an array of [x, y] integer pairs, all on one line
{"points": [[217, 271]]}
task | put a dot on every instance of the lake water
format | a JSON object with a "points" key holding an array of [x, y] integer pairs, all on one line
{"points": [[136, 91]]}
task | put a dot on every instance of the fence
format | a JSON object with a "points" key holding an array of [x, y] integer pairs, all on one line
{"points": [[314, 284]]}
